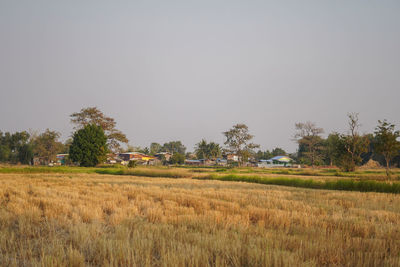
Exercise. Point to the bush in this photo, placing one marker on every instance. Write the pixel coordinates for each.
(132, 164)
(177, 158)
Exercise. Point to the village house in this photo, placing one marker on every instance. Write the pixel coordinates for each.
(278, 161)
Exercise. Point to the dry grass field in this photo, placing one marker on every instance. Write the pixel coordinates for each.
(77, 219)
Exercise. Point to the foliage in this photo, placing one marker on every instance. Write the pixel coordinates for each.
(177, 158)
(308, 136)
(206, 150)
(132, 164)
(89, 146)
(92, 115)
(340, 184)
(16, 147)
(330, 148)
(350, 147)
(174, 147)
(386, 141)
(238, 141)
(47, 146)
(155, 148)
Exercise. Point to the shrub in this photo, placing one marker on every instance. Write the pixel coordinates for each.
(132, 164)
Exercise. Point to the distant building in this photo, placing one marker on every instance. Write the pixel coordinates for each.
(128, 156)
(278, 161)
(61, 159)
(166, 155)
(232, 157)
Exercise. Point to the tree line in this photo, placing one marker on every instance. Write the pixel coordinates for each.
(96, 135)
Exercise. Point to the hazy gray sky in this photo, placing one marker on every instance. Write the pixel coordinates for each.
(186, 70)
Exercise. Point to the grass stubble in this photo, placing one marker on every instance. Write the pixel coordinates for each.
(91, 219)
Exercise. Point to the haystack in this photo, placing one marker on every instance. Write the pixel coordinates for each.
(371, 164)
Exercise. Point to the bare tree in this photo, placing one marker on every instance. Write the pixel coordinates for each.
(352, 145)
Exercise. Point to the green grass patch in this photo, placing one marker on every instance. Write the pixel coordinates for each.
(340, 184)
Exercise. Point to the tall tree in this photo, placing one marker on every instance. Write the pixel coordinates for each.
(47, 146)
(89, 146)
(206, 150)
(238, 141)
(155, 148)
(352, 145)
(308, 136)
(386, 141)
(174, 147)
(330, 148)
(92, 115)
(278, 152)
(16, 147)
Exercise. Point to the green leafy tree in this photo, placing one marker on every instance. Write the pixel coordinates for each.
(25, 154)
(238, 141)
(308, 136)
(263, 155)
(16, 147)
(174, 147)
(92, 115)
(177, 158)
(278, 152)
(206, 150)
(386, 141)
(89, 146)
(155, 148)
(47, 146)
(330, 148)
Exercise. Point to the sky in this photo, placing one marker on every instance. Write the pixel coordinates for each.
(187, 70)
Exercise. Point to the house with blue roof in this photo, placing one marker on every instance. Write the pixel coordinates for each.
(278, 161)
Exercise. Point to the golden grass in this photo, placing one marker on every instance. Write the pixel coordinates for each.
(92, 219)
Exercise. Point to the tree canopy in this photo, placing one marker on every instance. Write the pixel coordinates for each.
(206, 150)
(92, 115)
(386, 142)
(238, 141)
(308, 136)
(47, 146)
(89, 146)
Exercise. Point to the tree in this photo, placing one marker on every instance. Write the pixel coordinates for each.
(47, 146)
(92, 115)
(308, 136)
(206, 150)
(177, 158)
(386, 141)
(351, 146)
(330, 148)
(89, 146)
(155, 148)
(263, 155)
(174, 147)
(238, 141)
(16, 147)
(278, 152)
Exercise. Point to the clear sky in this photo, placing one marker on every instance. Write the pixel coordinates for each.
(187, 70)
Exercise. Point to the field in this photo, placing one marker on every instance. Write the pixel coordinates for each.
(185, 217)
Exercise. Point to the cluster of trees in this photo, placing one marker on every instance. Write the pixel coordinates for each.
(96, 134)
(270, 154)
(155, 148)
(22, 147)
(350, 149)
